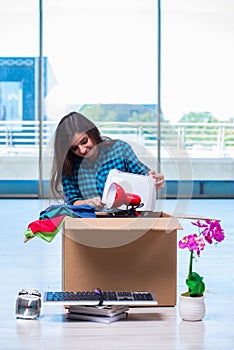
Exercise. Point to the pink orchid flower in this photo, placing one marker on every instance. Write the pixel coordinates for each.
(212, 230)
(192, 242)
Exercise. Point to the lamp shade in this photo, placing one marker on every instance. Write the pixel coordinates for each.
(116, 196)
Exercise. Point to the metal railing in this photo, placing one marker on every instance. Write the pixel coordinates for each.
(199, 139)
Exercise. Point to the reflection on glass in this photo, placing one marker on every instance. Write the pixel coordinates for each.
(11, 100)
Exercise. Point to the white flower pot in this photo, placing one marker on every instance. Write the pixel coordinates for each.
(192, 308)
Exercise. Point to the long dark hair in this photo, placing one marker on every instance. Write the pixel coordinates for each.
(64, 158)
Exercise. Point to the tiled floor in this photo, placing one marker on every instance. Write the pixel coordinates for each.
(37, 264)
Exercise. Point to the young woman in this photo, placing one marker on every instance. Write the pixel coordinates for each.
(83, 159)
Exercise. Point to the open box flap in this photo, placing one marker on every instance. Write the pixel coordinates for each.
(106, 232)
(162, 222)
(191, 217)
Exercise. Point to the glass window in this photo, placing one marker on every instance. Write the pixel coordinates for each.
(197, 78)
(103, 62)
(19, 97)
(94, 52)
(101, 58)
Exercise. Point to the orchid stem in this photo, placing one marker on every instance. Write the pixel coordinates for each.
(190, 264)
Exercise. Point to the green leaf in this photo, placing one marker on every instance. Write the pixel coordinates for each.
(195, 284)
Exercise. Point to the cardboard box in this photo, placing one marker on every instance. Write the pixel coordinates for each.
(122, 253)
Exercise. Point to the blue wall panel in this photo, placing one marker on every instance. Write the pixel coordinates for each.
(173, 188)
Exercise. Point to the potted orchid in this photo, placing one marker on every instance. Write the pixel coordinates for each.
(209, 231)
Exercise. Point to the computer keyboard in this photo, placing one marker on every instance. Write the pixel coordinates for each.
(106, 298)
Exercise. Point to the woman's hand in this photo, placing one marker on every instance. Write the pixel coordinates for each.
(94, 202)
(159, 179)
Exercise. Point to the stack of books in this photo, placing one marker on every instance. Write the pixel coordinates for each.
(103, 314)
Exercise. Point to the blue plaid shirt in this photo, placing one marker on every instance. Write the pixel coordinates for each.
(89, 178)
